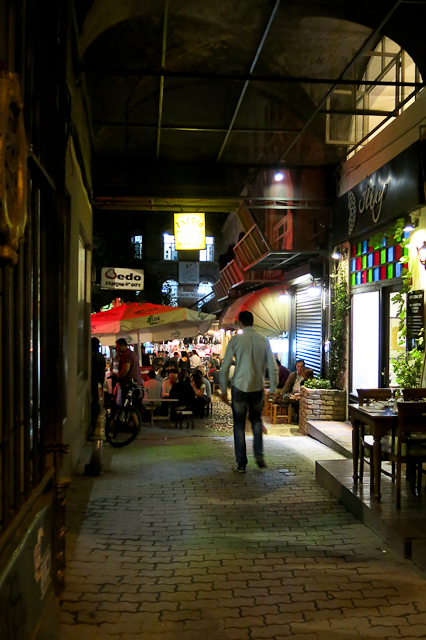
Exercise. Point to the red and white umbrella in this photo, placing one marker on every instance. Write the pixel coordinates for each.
(142, 322)
(271, 317)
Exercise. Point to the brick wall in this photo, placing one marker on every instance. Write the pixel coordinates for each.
(321, 404)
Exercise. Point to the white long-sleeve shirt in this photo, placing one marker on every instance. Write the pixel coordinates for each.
(252, 352)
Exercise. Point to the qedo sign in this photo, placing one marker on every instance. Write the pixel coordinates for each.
(390, 192)
(130, 279)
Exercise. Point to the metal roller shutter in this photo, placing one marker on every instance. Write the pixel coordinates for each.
(309, 330)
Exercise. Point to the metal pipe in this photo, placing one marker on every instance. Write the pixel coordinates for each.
(374, 33)
(150, 127)
(256, 57)
(163, 62)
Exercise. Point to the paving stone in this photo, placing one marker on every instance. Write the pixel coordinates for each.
(169, 543)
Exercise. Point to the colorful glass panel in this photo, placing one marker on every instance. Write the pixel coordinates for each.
(376, 274)
(363, 277)
(383, 256)
(364, 246)
(364, 262)
(358, 277)
(358, 264)
(370, 275)
(382, 273)
(390, 254)
(358, 249)
(390, 270)
(370, 260)
(353, 280)
(353, 265)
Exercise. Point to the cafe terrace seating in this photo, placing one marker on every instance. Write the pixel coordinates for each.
(366, 441)
(405, 448)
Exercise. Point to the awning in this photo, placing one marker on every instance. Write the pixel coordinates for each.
(271, 317)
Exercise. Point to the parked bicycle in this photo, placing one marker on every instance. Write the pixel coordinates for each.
(123, 427)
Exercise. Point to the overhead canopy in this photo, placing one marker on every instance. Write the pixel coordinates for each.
(149, 322)
(271, 317)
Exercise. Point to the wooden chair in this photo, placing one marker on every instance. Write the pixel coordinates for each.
(284, 410)
(405, 449)
(413, 394)
(365, 440)
(267, 405)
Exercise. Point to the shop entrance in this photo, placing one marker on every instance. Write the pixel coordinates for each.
(374, 338)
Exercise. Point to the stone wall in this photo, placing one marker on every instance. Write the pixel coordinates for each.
(321, 404)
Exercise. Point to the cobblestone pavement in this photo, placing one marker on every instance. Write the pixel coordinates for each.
(170, 543)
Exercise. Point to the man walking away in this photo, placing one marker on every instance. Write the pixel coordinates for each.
(252, 352)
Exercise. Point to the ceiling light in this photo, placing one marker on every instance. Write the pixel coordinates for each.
(408, 225)
(278, 176)
(336, 255)
(314, 291)
(284, 297)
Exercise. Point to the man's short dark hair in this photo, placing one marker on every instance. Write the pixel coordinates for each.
(302, 361)
(151, 374)
(121, 341)
(246, 318)
(95, 344)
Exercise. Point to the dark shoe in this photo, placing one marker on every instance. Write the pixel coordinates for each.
(240, 468)
(261, 462)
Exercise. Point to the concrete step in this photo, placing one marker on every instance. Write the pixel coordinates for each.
(335, 435)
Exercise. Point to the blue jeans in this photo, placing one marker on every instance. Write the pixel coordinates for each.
(241, 402)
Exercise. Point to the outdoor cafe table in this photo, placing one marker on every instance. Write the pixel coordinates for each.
(380, 422)
(169, 408)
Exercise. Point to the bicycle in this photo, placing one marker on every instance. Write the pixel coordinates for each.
(123, 427)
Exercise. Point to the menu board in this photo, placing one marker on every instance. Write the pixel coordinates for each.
(415, 317)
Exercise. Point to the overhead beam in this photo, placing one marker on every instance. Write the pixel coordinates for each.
(163, 64)
(246, 83)
(151, 127)
(240, 77)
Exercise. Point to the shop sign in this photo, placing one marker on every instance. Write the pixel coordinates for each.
(190, 231)
(130, 279)
(189, 272)
(189, 294)
(389, 193)
(415, 317)
(371, 200)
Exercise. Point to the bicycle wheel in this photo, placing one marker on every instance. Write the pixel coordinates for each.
(124, 428)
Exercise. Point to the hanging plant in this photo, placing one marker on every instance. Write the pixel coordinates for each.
(338, 331)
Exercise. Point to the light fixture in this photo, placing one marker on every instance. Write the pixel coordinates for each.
(284, 297)
(422, 254)
(314, 291)
(408, 224)
(336, 255)
(278, 176)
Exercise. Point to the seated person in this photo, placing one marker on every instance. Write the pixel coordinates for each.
(153, 389)
(214, 375)
(307, 374)
(283, 374)
(145, 360)
(295, 379)
(207, 384)
(200, 400)
(182, 391)
(168, 383)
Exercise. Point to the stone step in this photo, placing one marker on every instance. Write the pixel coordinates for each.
(334, 434)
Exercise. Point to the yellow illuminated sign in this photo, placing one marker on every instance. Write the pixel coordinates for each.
(190, 231)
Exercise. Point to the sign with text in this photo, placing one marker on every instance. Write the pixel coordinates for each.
(189, 272)
(415, 316)
(388, 193)
(190, 231)
(113, 278)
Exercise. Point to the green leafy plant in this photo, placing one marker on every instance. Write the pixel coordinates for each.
(317, 383)
(407, 367)
(338, 332)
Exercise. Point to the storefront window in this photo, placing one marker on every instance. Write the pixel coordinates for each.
(207, 254)
(170, 252)
(378, 263)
